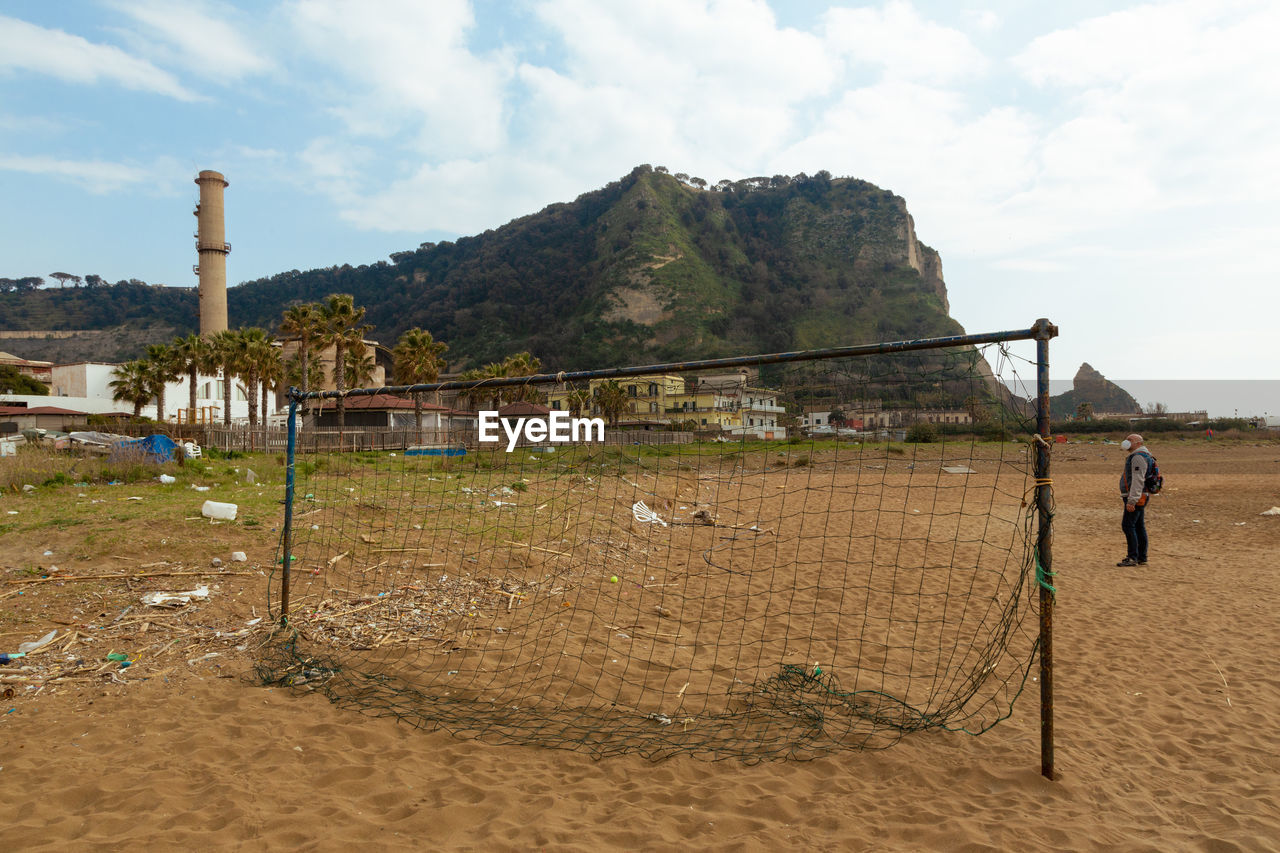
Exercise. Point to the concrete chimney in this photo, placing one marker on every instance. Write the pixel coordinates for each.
(212, 248)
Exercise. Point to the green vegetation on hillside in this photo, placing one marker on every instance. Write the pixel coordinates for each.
(100, 306)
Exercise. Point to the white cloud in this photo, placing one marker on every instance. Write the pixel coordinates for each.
(672, 48)
(1154, 41)
(708, 87)
(659, 82)
(96, 176)
(1198, 81)
(461, 196)
(983, 20)
(954, 166)
(1031, 265)
(27, 47)
(407, 70)
(197, 36)
(337, 168)
(31, 124)
(896, 39)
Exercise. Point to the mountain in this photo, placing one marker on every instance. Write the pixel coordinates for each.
(649, 268)
(1090, 386)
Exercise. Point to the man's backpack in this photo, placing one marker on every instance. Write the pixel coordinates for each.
(1155, 480)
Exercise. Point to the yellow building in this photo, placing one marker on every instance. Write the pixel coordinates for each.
(723, 402)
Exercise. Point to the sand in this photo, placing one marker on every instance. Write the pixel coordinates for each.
(1168, 705)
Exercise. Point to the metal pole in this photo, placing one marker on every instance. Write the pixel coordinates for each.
(1044, 543)
(685, 366)
(287, 550)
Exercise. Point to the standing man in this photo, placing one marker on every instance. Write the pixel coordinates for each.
(1133, 479)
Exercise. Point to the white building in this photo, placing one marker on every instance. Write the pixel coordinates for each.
(85, 386)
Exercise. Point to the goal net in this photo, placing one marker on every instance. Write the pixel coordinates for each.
(757, 561)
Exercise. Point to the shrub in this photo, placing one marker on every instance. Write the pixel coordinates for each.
(922, 432)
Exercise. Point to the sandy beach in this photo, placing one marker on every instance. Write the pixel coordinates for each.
(1167, 711)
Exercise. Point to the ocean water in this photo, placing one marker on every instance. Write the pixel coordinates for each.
(1221, 398)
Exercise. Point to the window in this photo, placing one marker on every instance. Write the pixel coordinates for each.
(631, 390)
(653, 389)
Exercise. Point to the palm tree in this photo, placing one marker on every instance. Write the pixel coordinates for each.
(252, 348)
(418, 359)
(341, 326)
(226, 355)
(578, 401)
(611, 400)
(293, 372)
(360, 366)
(132, 384)
(194, 358)
(521, 364)
(477, 392)
(496, 370)
(302, 323)
(163, 366)
(271, 374)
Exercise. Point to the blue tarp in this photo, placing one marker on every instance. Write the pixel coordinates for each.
(436, 451)
(156, 448)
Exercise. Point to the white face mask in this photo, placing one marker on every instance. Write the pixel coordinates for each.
(1125, 445)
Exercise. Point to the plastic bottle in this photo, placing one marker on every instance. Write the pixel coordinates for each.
(219, 510)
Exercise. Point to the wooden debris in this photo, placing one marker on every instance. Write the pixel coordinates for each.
(537, 548)
(210, 573)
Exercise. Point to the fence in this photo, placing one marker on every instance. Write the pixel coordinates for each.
(332, 439)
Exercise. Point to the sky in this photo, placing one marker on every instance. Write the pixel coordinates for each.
(1112, 166)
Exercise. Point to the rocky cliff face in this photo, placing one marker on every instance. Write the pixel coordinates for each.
(1090, 386)
(1105, 395)
(925, 261)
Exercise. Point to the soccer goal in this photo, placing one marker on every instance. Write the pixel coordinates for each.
(759, 557)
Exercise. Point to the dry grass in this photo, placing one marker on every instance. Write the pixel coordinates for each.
(89, 538)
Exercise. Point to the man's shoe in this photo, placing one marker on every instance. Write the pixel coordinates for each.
(1142, 562)
(1128, 561)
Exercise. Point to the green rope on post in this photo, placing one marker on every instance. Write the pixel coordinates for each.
(1042, 576)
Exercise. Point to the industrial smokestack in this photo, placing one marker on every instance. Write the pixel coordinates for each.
(212, 248)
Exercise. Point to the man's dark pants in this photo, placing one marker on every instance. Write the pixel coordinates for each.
(1134, 526)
